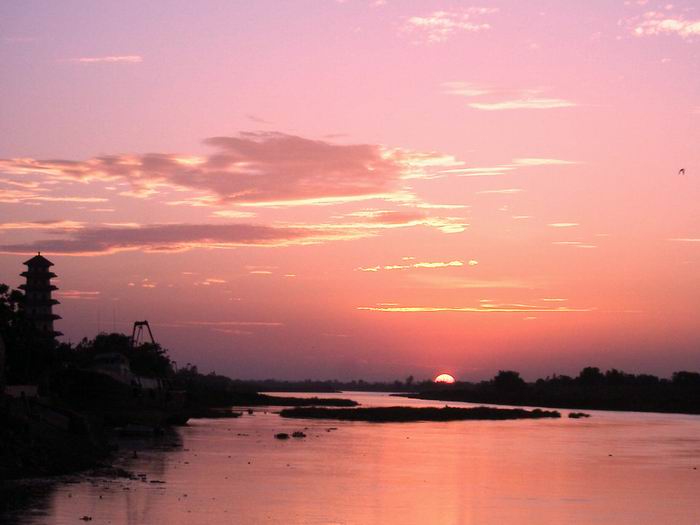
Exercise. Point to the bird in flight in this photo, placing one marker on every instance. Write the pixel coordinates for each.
(681, 171)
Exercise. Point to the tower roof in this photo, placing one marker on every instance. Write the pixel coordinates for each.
(38, 260)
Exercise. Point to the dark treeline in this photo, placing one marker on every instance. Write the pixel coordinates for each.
(334, 385)
(592, 389)
(214, 390)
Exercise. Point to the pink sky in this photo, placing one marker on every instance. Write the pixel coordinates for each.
(360, 188)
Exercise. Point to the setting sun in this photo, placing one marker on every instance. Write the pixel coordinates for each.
(444, 378)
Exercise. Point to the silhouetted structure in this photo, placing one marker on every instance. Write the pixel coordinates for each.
(37, 290)
(137, 335)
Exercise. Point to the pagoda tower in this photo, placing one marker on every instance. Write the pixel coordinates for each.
(38, 304)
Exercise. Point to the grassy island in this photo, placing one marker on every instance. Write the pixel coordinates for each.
(411, 414)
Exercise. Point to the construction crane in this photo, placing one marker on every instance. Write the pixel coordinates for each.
(137, 334)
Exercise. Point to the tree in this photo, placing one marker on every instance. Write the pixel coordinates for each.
(686, 379)
(508, 380)
(29, 352)
(591, 375)
(147, 359)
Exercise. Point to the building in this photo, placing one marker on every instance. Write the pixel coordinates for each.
(113, 364)
(117, 366)
(39, 304)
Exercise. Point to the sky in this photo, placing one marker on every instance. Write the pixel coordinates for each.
(361, 188)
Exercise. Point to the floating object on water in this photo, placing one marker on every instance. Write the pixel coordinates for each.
(298, 434)
(282, 435)
(577, 415)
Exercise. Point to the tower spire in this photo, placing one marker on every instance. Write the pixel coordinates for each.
(37, 292)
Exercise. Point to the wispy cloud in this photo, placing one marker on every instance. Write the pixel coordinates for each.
(384, 219)
(213, 280)
(257, 119)
(563, 224)
(452, 282)
(505, 191)
(464, 89)
(19, 39)
(489, 171)
(539, 161)
(439, 26)
(416, 265)
(499, 99)
(36, 196)
(504, 169)
(234, 214)
(523, 103)
(77, 294)
(432, 206)
(68, 199)
(231, 327)
(575, 244)
(77, 239)
(654, 23)
(174, 237)
(116, 59)
(42, 225)
(500, 308)
(685, 239)
(234, 323)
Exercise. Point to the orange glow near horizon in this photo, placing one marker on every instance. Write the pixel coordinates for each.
(444, 378)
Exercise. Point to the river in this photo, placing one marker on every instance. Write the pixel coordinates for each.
(615, 467)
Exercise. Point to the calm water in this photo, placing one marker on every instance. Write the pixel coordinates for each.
(612, 468)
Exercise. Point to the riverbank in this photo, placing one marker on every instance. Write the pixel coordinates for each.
(616, 403)
(37, 439)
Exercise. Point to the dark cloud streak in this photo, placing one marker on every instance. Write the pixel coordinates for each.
(171, 237)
